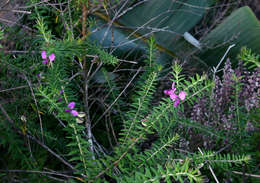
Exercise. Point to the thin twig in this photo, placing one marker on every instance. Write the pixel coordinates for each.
(15, 88)
(215, 69)
(118, 97)
(246, 174)
(5, 4)
(114, 18)
(51, 151)
(120, 60)
(6, 115)
(211, 170)
(39, 172)
(115, 163)
(16, 11)
(36, 104)
(132, 7)
(84, 21)
(10, 22)
(36, 140)
(112, 129)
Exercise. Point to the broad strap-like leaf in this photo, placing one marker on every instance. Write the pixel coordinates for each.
(241, 28)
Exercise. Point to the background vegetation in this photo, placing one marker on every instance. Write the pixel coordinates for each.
(129, 91)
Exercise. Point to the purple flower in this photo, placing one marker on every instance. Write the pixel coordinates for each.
(71, 106)
(74, 113)
(174, 97)
(44, 55)
(52, 57)
(61, 91)
(39, 75)
(182, 95)
(46, 60)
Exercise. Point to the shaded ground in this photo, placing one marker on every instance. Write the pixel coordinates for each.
(8, 14)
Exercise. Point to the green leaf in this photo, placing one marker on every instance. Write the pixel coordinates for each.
(241, 28)
(100, 77)
(166, 20)
(117, 40)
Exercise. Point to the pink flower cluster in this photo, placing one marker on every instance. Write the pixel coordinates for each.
(48, 59)
(71, 106)
(175, 98)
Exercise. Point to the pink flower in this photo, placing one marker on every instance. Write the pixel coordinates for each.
(46, 60)
(182, 95)
(71, 106)
(61, 91)
(39, 75)
(174, 97)
(74, 113)
(44, 55)
(52, 57)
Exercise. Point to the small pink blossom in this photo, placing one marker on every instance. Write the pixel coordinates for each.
(71, 106)
(46, 60)
(39, 75)
(176, 103)
(52, 57)
(182, 95)
(74, 112)
(44, 55)
(174, 97)
(61, 91)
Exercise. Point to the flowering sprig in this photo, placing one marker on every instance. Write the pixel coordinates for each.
(46, 59)
(71, 106)
(176, 98)
(79, 115)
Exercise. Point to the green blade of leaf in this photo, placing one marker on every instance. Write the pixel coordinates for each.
(241, 28)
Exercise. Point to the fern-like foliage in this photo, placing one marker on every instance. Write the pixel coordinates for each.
(148, 141)
(249, 58)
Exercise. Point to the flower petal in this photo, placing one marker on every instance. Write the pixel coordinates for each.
(74, 113)
(169, 92)
(44, 56)
(67, 110)
(182, 95)
(61, 91)
(45, 61)
(52, 57)
(59, 100)
(71, 105)
(173, 96)
(166, 92)
(176, 103)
